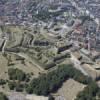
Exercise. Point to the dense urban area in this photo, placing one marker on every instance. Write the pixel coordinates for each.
(49, 49)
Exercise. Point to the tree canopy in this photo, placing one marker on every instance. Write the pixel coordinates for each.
(46, 84)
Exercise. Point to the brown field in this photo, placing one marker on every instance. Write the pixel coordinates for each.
(69, 90)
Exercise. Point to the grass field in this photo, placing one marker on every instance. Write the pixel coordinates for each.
(3, 67)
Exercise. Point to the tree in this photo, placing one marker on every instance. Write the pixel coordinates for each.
(2, 82)
(19, 87)
(11, 85)
(16, 74)
(3, 96)
(51, 97)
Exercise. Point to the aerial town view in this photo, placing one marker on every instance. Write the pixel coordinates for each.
(49, 49)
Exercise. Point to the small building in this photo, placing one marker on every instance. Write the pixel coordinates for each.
(64, 47)
(61, 57)
(50, 65)
(41, 43)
